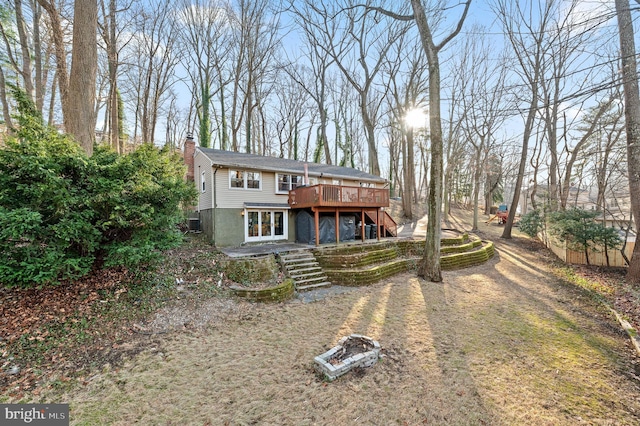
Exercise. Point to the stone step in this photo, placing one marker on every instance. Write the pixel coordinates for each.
(291, 266)
(302, 271)
(309, 280)
(296, 255)
(305, 271)
(313, 286)
(306, 279)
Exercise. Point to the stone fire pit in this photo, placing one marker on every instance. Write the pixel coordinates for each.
(351, 351)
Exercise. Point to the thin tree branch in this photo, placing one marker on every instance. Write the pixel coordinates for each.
(458, 27)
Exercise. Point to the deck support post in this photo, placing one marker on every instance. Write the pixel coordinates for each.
(316, 217)
(337, 226)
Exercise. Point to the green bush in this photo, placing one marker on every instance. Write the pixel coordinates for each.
(578, 228)
(137, 199)
(60, 211)
(532, 223)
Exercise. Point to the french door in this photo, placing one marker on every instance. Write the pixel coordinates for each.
(265, 225)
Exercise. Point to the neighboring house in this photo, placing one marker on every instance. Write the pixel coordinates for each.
(617, 203)
(245, 198)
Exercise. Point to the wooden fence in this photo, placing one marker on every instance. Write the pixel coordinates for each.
(597, 258)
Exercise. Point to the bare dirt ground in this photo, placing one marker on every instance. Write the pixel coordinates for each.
(502, 343)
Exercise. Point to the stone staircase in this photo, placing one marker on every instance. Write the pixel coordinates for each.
(303, 268)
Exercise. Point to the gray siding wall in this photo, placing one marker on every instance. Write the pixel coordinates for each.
(229, 226)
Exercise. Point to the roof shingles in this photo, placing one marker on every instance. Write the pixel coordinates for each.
(259, 162)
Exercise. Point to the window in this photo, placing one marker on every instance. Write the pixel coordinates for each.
(288, 182)
(244, 180)
(203, 182)
(253, 180)
(236, 179)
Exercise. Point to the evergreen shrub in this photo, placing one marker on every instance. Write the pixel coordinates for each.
(61, 211)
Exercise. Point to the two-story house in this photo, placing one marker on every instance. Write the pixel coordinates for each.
(247, 198)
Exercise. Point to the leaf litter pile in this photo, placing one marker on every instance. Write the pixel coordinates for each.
(65, 329)
(59, 334)
(352, 346)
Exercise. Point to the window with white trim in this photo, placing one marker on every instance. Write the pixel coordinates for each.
(241, 179)
(286, 183)
(265, 225)
(203, 181)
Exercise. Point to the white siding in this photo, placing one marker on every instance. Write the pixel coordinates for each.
(234, 198)
(202, 164)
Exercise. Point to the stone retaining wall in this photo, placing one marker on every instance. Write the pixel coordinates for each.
(277, 293)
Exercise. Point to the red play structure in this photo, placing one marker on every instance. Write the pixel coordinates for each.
(502, 214)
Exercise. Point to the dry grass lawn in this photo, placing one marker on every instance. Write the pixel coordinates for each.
(500, 344)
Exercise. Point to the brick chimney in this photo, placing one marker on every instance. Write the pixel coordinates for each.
(189, 150)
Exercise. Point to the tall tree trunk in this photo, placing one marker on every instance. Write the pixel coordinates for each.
(26, 71)
(632, 119)
(407, 199)
(61, 56)
(80, 117)
(78, 88)
(37, 56)
(52, 99)
(477, 174)
(374, 164)
(430, 266)
(114, 111)
(6, 114)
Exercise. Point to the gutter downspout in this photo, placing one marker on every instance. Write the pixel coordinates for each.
(215, 205)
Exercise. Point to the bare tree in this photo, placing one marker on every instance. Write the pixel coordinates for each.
(255, 42)
(407, 91)
(316, 33)
(150, 73)
(598, 113)
(483, 104)
(453, 138)
(632, 119)
(348, 123)
(526, 38)
(293, 101)
(113, 44)
(430, 266)
(205, 41)
(23, 48)
(77, 87)
(359, 48)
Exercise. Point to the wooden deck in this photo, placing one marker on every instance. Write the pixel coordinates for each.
(338, 196)
(369, 203)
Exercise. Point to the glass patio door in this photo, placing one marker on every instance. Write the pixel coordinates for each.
(265, 225)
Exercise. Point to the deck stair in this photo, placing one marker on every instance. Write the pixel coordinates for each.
(388, 226)
(304, 269)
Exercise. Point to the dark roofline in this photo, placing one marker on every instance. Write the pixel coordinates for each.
(274, 164)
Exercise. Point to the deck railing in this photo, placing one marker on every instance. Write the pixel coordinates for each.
(338, 196)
